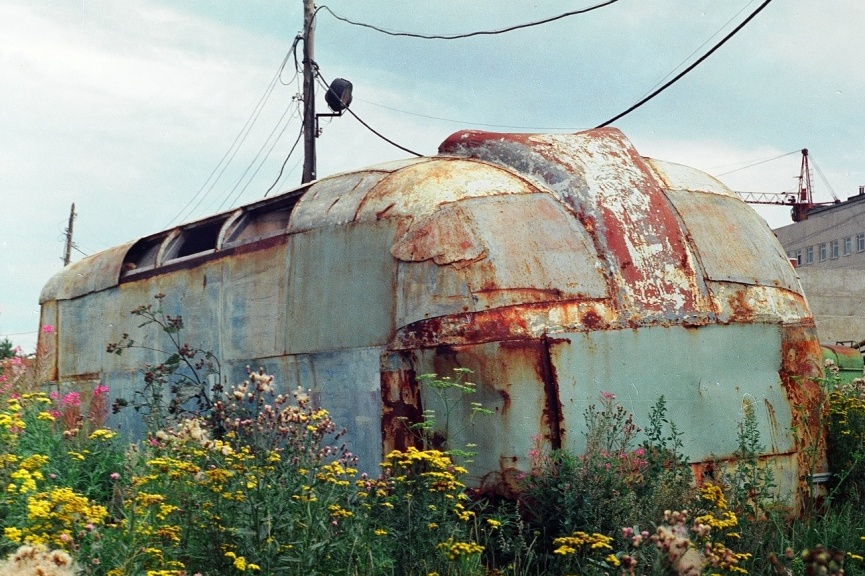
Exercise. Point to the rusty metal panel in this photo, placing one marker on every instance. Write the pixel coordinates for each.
(734, 243)
(492, 255)
(341, 290)
(618, 199)
(745, 303)
(196, 294)
(400, 402)
(510, 378)
(705, 374)
(346, 383)
(333, 200)
(679, 177)
(419, 190)
(90, 274)
(85, 325)
(254, 299)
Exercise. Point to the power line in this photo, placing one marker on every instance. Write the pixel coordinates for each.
(232, 150)
(284, 162)
(468, 34)
(757, 163)
(698, 48)
(326, 86)
(465, 122)
(689, 68)
(380, 135)
(256, 157)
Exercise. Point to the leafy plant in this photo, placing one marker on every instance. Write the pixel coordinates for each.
(180, 386)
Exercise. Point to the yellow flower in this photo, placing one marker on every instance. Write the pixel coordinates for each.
(102, 434)
(240, 563)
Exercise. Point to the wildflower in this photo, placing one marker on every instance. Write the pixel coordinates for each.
(71, 399)
(14, 534)
(48, 328)
(102, 434)
(454, 549)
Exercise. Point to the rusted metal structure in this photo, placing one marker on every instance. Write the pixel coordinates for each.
(556, 267)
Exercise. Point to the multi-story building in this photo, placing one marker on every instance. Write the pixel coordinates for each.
(830, 237)
(828, 249)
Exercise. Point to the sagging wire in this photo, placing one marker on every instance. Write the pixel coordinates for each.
(681, 74)
(232, 150)
(468, 34)
(325, 85)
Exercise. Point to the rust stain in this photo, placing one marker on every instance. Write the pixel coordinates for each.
(553, 415)
(800, 372)
(741, 309)
(591, 320)
(773, 424)
(635, 218)
(400, 408)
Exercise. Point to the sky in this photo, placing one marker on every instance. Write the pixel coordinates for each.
(134, 110)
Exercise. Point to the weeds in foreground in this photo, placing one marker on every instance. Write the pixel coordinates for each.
(260, 482)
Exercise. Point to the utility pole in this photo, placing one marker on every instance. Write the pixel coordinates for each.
(68, 234)
(309, 135)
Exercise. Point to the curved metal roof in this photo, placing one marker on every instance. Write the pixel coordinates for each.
(654, 229)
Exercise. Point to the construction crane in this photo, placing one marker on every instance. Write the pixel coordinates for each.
(801, 201)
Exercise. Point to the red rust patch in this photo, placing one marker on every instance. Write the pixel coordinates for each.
(591, 320)
(400, 408)
(800, 372)
(741, 310)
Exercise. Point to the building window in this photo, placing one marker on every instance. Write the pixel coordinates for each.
(822, 252)
(848, 245)
(809, 255)
(860, 242)
(797, 255)
(833, 249)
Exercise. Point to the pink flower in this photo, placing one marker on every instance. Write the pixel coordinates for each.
(100, 390)
(71, 399)
(608, 396)
(48, 328)
(54, 395)
(114, 476)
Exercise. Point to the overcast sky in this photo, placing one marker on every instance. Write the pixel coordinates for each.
(127, 108)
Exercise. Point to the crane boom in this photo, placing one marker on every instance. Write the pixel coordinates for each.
(801, 201)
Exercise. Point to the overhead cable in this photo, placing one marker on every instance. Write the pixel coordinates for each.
(326, 86)
(689, 68)
(700, 47)
(284, 162)
(232, 150)
(757, 163)
(468, 34)
(466, 122)
(258, 155)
